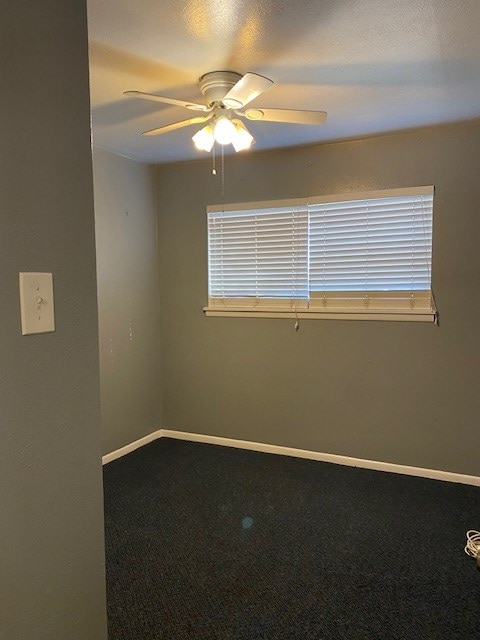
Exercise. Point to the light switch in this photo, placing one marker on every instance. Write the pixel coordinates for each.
(36, 303)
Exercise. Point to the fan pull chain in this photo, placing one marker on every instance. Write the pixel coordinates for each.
(223, 177)
(214, 169)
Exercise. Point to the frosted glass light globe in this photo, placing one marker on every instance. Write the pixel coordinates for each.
(224, 131)
(242, 138)
(203, 139)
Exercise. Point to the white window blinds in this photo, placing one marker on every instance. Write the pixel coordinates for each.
(258, 253)
(357, 253)
(373, 244)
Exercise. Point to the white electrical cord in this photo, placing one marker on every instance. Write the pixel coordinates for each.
(472, 548)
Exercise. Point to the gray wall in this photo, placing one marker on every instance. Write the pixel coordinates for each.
(125, 222)
(406, 393)
(51, 521)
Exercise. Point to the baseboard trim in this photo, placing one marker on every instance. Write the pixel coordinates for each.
(376, 465)
(119, 453)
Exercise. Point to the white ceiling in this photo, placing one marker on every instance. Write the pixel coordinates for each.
(374, 65)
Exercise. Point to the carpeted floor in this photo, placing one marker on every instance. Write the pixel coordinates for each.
(211, 543)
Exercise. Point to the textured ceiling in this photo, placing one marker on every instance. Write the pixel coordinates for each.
(374, 65)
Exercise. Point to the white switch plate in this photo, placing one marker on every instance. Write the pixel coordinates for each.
(36, 303)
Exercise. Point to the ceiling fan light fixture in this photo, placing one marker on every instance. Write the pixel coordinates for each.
(243, 138)
(224, 131)
(204, 139)
(225, 92)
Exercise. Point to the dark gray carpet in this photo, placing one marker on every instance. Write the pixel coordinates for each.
(206, 542)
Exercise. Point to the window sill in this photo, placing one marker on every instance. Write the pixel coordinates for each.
(397, 316)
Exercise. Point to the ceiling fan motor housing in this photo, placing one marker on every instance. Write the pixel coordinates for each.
(216, 84)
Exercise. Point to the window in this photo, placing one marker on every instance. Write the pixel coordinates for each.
(360, 256)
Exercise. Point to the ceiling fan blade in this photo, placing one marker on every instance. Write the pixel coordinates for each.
(246, 89)
(292, 116)
(179, 103)
(177, 125)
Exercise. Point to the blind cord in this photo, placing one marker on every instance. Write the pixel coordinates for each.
(472, 548)
(434, 304)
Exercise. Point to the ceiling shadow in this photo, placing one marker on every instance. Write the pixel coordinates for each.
(391, 73)
(128, 109)
(113, 59)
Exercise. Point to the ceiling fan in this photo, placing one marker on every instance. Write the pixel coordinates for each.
(227, 93)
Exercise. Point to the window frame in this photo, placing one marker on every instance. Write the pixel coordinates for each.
(409, 305)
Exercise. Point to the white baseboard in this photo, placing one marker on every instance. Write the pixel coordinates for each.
(118, 453)
(434, 474)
